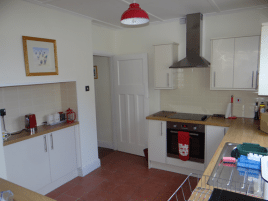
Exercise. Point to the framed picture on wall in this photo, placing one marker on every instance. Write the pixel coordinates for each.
(40, 56)
(95, 71)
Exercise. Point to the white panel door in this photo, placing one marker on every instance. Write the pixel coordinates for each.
(246, 62)
(222, 63)
(130, 99)
(27, 163)
(62, 152)
(157, 148)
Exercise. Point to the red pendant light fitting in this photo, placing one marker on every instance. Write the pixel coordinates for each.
(134, 15)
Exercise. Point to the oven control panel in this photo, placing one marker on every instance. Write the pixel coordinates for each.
(186, 126)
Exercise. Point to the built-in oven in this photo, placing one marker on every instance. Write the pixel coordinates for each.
(197, 140)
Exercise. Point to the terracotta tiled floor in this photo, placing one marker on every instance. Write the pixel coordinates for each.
(121, 177)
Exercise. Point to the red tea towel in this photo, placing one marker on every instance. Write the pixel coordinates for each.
(183, 142)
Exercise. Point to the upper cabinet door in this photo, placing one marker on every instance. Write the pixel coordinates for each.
(222, 63)
(263, 71)
(164, 57)
(246, 62)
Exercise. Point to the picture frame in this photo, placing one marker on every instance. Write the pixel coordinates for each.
(40, 56)
(95, 72)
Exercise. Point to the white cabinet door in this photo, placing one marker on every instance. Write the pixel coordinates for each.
(27, 163)
(246, 62)
(222, 63)
(62, 152)
(164, 57)
(214, 136)
(234, 63)
(263, 71)
(157, 145)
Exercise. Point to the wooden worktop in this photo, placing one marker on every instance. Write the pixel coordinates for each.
(41, 130)
(241, 130)
(214, 121)
(22, 194)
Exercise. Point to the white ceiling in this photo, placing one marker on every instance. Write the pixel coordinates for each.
(108, 12)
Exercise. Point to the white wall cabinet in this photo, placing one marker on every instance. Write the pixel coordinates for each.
(157, 145)
(164, 56)
(234, 63)
(38, 161)
(263, 70)
(213, 138)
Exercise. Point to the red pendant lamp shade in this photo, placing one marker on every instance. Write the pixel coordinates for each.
(134, 15)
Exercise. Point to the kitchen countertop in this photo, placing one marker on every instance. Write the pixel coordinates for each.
(22, 194)
(41, 130)
(214, 121)
(240, 130)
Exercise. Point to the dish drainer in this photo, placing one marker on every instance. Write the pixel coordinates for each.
(195, 187)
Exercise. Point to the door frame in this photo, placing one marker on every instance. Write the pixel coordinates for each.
(110, 56)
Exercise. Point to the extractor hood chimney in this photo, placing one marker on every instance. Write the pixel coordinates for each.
(193, 44)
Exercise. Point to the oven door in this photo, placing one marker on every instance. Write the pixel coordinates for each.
(196, 147)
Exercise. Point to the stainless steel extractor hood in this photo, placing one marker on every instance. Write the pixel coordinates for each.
(193, 44)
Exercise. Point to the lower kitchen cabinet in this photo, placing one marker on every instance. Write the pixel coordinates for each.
(39, 161)
(27, 163)
(213, 138)
(62, 152)
(157, 145)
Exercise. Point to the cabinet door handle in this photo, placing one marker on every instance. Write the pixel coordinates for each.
(256, 86)
(214, 79)
(161, 128)
(45, 143)
(252, 78)
(168, 79)
(224, 131)
(51, 139)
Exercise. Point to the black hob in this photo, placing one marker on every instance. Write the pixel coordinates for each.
(189, 116)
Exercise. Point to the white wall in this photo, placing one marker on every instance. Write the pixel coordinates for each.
(141, 40)
(74, 47)
(103, 40)
(103, 102)
(196, 81)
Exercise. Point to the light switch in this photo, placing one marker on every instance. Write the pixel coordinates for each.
(87, 88)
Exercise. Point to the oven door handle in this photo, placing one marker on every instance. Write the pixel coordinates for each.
(195, 134)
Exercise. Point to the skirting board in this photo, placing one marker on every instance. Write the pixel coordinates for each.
(52, 186)
(173, 168)
(83, 171)
(105, 144)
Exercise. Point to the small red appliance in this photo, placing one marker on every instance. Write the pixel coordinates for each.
(70, 116)
(30, 121)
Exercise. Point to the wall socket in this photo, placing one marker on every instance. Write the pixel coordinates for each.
(238, 100)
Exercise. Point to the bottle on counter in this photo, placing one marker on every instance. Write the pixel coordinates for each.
(256, 110)
(262, 109)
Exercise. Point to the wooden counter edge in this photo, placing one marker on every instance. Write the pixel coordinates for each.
(49, 130)
(21, 193)
(210, 121)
